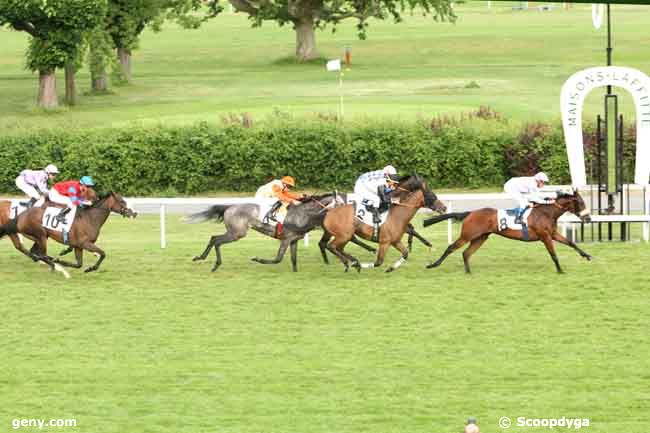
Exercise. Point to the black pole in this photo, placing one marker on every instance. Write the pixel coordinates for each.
(609, 45)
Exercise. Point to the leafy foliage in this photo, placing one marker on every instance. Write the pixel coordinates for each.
(57, 27)
(320, 154)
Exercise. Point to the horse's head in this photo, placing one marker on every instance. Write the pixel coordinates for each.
(575, 204)
(115, 203)
(410, 184)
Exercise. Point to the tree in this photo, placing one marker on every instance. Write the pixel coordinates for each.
(56, 29)
(126, 20)
(308, 15)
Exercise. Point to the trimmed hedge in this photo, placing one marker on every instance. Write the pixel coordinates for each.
(320, 154)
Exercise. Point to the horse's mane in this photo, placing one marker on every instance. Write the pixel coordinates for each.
(319, 197)
(101, 198)
(562, 194)
(414, 181)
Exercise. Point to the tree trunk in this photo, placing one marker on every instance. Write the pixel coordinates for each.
(305, 39)
(124, 56)
(47, 90)
(99, 82)
(70, 89)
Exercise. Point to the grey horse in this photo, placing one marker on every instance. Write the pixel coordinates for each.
(239, 218)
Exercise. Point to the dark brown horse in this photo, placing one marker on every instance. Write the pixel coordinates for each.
(542, 226)
(5, 216)
(342, 224)
(82, 236)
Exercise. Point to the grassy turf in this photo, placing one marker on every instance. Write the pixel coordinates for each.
(417, 68)
(156, 343)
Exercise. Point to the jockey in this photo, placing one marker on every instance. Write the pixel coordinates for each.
(279, 189)
(71, 193)
(525, 190)
(373, 189)
(34, 183)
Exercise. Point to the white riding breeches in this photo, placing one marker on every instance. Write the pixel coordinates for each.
(59, 198)
(28, 189)
(365, 196)
(521, 199)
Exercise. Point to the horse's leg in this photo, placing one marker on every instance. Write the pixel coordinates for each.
(284, 244)
(205, 253)
(548, 243)
(322, 244)
(561, 239)
(89, 246)
(221, 240)
(381, 252)
(414, 234)
(66, 251)
(450, 249)
(405, 255)
(19, 245)
(336, 248)
(78, 253)
(294, 255)
(473, 246)
(355, 240)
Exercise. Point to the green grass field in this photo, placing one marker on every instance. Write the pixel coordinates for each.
(156, 343)
(415, 69)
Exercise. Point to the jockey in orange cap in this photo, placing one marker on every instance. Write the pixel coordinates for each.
(280, 190)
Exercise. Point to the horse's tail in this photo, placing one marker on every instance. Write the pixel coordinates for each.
(212, 213)
(10, 228)
(436, 219)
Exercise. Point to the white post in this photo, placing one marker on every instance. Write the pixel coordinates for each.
(450, 209)
(306, 240)
(163, 239)
(489, 4)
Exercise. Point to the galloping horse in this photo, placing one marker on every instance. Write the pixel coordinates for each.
(341, 223)
(83, 233)
(239, 218)
(542, 226)
(5, 216)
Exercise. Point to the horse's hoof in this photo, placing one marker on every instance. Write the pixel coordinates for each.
(197, 258)
(390, 270)
(90, 269)
(215, 268)
(431, 265)
(588, 257)
(255, 259)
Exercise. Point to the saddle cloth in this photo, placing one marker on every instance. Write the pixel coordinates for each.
(365, 216)
(16, 208)
(49, 221)
(506, 219)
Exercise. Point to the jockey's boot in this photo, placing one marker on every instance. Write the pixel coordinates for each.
(61, 216)
(270, 215)
(375, 214)
(29, 203)
(520, 215)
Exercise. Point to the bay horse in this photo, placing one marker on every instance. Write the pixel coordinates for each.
(342, 224)
(478, 225)
(410, 231)
(83, 233)
(5, 216)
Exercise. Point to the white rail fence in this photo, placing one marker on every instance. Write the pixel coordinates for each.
(451, 200)
(162, 205)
